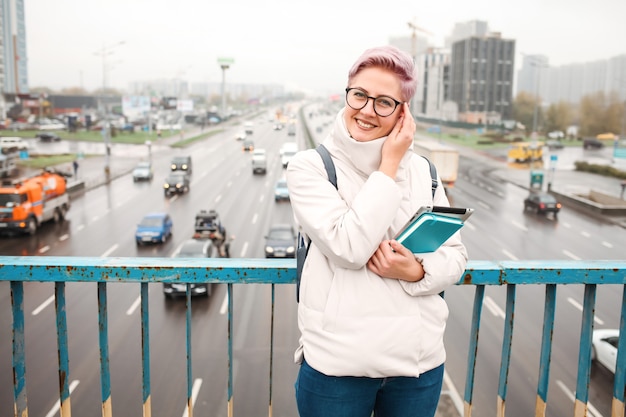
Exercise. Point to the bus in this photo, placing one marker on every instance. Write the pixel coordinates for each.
(526, 151)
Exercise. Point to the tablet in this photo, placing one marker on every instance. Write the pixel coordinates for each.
(461, 213)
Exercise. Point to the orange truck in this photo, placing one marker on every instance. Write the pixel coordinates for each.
(25, 204)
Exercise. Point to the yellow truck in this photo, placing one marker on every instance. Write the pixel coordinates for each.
(526, 151)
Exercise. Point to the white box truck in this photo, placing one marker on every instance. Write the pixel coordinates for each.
(444, 157)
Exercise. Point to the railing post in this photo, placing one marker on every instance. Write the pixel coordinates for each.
(479, 297)
(546, 351)
(20, 404)
(145, 351)
(584, 355)
(507, 341)
(64, 362)
(103, 329)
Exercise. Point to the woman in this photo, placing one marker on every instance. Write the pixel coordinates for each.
(370, 315)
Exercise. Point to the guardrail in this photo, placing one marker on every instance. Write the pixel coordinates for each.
(144, 271)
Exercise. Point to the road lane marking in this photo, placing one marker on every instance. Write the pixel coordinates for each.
(261, 198)
(453, 393)
(133, 306)
(244, 250)
(580, 308)
(254, 218)
(510, 255)
(571, 255)
(218, 198)
(43, 305)
(520, 226)
(585, 234)
(64, 237)
(44, 249)
(485, 205)
(493, 307)
(80, 227)
(197, 383)
(108, 252)
(57, 405)
(470, 226)
(607, 244)
(571, 396)
(224, 306)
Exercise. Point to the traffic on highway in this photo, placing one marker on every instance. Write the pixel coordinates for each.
(102, 222)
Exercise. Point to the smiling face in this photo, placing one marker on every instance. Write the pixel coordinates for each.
(365, 125)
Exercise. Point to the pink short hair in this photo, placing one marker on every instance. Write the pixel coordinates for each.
(392, 59)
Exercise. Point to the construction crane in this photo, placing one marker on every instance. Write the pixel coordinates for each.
(414, 28)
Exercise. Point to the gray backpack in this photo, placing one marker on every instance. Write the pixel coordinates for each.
(303, 247)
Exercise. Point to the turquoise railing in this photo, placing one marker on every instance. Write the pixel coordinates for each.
(108, 271)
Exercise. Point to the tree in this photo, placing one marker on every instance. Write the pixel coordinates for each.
(600, 114)
(524, 110)
(559, 116)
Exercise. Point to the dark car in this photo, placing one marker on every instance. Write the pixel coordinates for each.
(554, 144)
(181, 163)
(280, 242)
(48, 137)
(176, 183)
(191, 248)
(248, 145)
(592, 143)
(154, 228)
(542, 203)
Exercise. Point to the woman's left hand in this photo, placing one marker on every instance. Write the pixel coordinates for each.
(392, 260)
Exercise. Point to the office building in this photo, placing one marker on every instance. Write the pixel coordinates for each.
(433, 69)
(481, 78)
(14, 64)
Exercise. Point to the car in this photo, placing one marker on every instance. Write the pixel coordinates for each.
(259, 161)
(191, 248)
(278, 126)
(604, 347)
(143, 172)
(592, 143)
(542, 203)
(248, 145)
(281, 192)
(556, 134)
(249, 128)
(554, 144)
(48, 137)
(280, 241)
(12, 144)
(154, 227)
(176, 183)
(241, 135)
(181, 163)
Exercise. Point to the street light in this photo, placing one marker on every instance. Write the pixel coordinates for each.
(106, 50)
(224, 63)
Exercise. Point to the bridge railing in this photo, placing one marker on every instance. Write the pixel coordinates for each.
(144, 271)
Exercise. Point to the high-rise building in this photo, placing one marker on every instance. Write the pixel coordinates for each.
(464, 30)
(14, 60)
(433, 69)
(481, 79)
(572, 82)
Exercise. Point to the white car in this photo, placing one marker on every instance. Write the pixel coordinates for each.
(604, 347)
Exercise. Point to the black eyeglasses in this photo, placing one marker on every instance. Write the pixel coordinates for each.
(383, 105)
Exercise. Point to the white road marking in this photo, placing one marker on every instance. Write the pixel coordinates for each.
(44, 249)
(53, 411)
(224, 306)
(109, 251)
(43, 305)
(607, 244)
(493, 307)
(585, 234)
(571, 255)
(244, 250)
(133, 306)
(580, 308)
(520, 226)
(570, 394)
(254, 218)
(195, 389)
(509, 255)
(64, 237)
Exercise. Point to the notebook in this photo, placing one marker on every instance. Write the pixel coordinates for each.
(431, 226)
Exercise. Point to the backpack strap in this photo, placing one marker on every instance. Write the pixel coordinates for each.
(328, 164)
(433, 175)
(303, 246)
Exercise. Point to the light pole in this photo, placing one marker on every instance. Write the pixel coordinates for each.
(224, 63)
(106, 135)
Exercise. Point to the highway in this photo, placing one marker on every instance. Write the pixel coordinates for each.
(102, 221)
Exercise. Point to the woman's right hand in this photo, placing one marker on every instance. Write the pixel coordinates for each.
(398, 142)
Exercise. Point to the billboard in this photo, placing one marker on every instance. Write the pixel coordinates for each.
(132, 105)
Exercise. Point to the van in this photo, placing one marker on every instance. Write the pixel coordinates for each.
(12, 144)
(181, 163)
(259, 161)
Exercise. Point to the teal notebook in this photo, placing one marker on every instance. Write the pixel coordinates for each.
(428, 231)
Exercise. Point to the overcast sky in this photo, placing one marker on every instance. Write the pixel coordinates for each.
(307, 45)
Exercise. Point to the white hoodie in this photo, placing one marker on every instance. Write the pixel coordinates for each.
(352, 321)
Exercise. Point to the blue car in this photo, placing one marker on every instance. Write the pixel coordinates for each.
(154, 228)
(281, 192)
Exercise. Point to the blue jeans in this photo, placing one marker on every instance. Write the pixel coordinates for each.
(319, 395)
